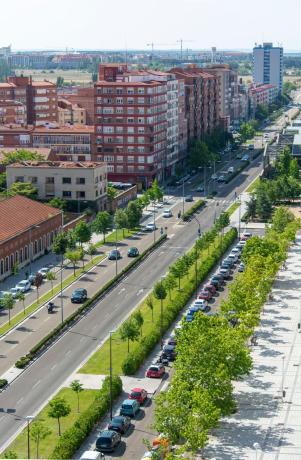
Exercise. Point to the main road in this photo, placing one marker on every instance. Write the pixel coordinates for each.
(40, 381)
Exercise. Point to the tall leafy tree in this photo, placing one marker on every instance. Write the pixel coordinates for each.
(77, 387)
(8, 302)
(102, 223)
(58, 409)
(121, 219)
(129, 331)
(82, 232)
(134, 214)
(74, 257)
(23, 188)
(38, 432)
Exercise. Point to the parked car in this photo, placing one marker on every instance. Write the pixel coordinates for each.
(233, 257)
(236, 251)
(129, 407)
(107, 441)
(205, 294)
(150, 227)
(79, 295)
(133, 252)
(200, 188)
(44, 271)
(242, 243)
(170, 352)
(231, 169)
(245, 158)
(14, 292)
(241, 267)
(238, 156)
(214, 177)
(190, 316)
(221, 178)
(231, 262)
(167, 213)
(245, 236)
(200, 303)
(227, 264)
(156, 371)
(219, 276)
(251, 147)
(24, 285)
(139, 394)
(225, 272)
(114, 254)
(210, 287)
(92, 455)
(217, 283)
(32, 278)
(120, 423)
(189, 198)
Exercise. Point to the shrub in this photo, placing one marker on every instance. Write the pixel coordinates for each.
(199, 204)
(3, 383)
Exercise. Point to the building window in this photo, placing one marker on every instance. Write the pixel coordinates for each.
(33, 180)
(19, 178)
(80, 180)
(26, 252)
(141, 159)
(67, 194)
(1, 267)
(49, 180)
(66, 180)
(80, 194)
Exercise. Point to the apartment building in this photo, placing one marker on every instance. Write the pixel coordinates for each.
(69, 113)
(12, 112)
(82, 97)
(201, 100)
(27, 230)
(268, 65)
(15, 136)
(39, 98)
(69, 143)
(262, 94)
(73, 181)
(131, 124)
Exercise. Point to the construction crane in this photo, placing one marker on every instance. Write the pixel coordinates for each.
(183, 41)
(158, 44)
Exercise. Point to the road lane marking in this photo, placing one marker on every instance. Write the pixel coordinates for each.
(68, 352)
(140, 292)
(19, 400)
(36, 384)
(121, 291)
(172, 235)
(53, 367)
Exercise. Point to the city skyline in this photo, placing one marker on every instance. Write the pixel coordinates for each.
(70, 26)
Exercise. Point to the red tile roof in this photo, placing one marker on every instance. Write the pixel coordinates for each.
(19, 213)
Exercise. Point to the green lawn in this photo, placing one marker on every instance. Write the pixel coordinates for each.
(19, 445)
(253, 185)
(99, 361)
(45, 297)
(121, 235)
(233, 208)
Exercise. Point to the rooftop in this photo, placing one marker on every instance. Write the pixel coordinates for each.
(19, 214)
(58, 164)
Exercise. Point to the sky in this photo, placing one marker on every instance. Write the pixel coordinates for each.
(131, 24)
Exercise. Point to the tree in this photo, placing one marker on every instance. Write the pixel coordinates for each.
(23, 188)
(170, 283)
(121, 220)
(59, 203)
(178, 269)
(150, 304)
(261, 112)
(2, 182)
(92, 249)
(59, 408)
(160, 293)
(51, 277)
(37, 283)
(263, 204)
(294, 169)
(157, 191)
(60, 81)
(74, 257)
(129, 331)
(38, 432)
(199, 154)
(21, 155)
(8, 302)
(134, 214)
(251, 207)
(138, 317)
(283, 164)
(247, 131)
(223, 221)
(102, 223)
(281, 218)
(10, 454)
(21, 297)
(82, 232)
(77, 387)
(60, 243)
(111, 194)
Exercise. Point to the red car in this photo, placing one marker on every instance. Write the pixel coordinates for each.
(211, 288)
(156, 371)
(139, 394)
(205, 294)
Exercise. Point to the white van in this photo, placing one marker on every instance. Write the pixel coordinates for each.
(92, 455)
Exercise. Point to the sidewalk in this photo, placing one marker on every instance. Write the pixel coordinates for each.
(267, 426)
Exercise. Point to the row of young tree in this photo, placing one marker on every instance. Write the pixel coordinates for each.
(203, 152)
(282, 186)
(211, 353)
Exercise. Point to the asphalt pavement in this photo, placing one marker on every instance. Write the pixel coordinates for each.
(40, 381)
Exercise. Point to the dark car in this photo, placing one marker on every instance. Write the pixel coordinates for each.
(230, 262)
(107, 441)
(189, 198)
(114, 254)
(120, 424)
(133, 252)
(170, 352)
(79, 295)
(216, 282)
(32, 278)
(220, 277)
(227, 264)
(210, 287)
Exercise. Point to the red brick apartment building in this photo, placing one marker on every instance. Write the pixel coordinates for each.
(39, 98)
(12, 112)
(27, 229)
(83, 97)
(201, 100)
(130, 124)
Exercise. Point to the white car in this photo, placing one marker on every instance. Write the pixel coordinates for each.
(44, 271)
(200, 303)
(214, 177)
(150, 227)
(15, 292)
(167, 213)
(24, 286)
(233, 257)
(231, 169)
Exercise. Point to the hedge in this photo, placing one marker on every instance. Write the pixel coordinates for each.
(42, 344)
(72, 439)
(136, 357)
(3, 383)
(199, 204)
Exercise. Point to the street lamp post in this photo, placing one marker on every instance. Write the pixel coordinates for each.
(111, 376)
(28, 419)
(183, 197)
(61, 275)
(256, 447)
(299, 324)
(116, 258)
(239, 215)
(154, 211)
